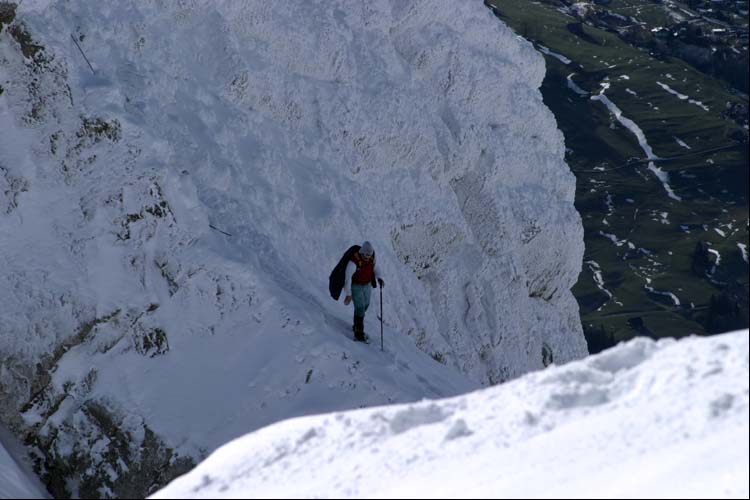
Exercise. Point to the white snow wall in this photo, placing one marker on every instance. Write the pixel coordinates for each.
(299, 127)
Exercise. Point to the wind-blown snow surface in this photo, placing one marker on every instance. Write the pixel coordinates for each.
(13, 483)
(133, 329)
(16, 480)
(645, 419)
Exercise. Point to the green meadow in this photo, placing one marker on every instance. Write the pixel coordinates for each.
(641, 274)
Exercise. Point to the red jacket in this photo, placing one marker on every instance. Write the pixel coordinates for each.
(365, 270)
(360, 272)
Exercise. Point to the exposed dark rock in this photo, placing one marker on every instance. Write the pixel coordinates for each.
(23, 38)
(7, 14)
(127, 467)
(701, 262)
(547, 355)
(728, 310)
(598, 338)
(637, 324)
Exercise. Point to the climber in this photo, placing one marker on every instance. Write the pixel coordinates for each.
(359, 275)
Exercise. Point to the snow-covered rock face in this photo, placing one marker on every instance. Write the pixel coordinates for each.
(297, 128)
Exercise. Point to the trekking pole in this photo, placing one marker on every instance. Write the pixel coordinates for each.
(217, 229)
(81, 51)
(381, 316)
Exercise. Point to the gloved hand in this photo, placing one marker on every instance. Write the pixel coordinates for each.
(382, 283)
(347, 300)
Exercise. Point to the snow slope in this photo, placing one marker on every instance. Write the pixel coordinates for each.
(16, 480)
(13, 483)
(137, 337)
(645, 419)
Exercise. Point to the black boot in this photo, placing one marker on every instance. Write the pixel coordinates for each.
(359, 328)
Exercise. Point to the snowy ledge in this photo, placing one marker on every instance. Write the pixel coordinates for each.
(673, 414)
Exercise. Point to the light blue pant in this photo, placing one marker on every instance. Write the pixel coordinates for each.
(361, 299)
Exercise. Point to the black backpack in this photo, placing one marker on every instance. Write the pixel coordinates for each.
(338, 275)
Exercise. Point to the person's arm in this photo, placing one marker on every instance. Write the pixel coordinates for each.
(378, 276)
(351, 268)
